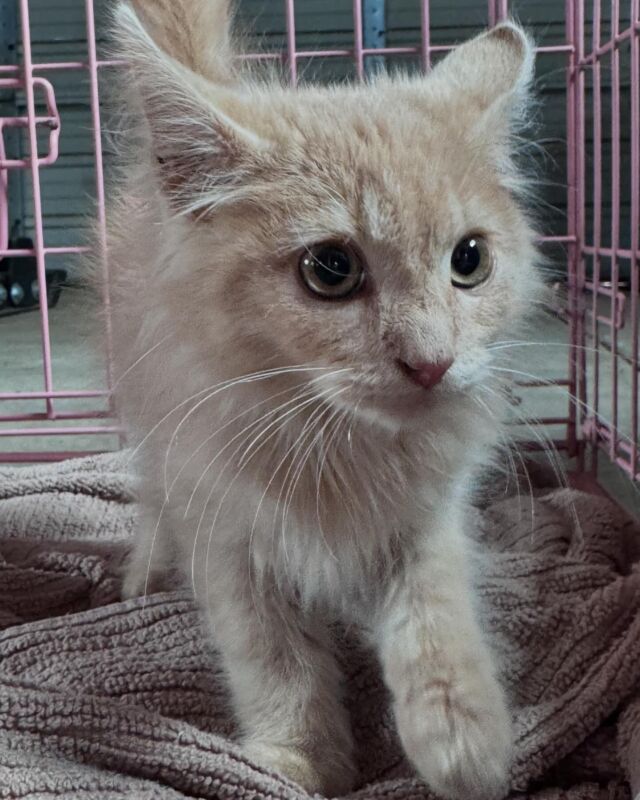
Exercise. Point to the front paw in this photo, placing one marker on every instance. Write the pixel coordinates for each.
(458, 735)
(330, 775)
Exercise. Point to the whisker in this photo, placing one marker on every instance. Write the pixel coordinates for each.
(246, 429)
(246, 432)
(250, 378)
(297, 446)
(553, 457)
(219, 430)
(353, 419)
(139, 360)
(231, 421)
(154, 537)
(167, 496)
(546, 443)
(571, 398)
(273, 477)
(282, 420)
(300, 469)
(335, 393)
(511, 345)
(525, 472)
(214, 389)
(510, 459)
(324, 451)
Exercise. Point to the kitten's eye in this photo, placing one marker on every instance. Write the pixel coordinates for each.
(332, 271)
(471, 262)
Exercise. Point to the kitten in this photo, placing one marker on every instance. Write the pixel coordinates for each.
(308, 283)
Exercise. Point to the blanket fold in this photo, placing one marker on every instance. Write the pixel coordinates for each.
(104, 698)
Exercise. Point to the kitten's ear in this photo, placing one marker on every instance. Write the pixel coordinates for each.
(493, 69)
(196, 33)
(203, 132)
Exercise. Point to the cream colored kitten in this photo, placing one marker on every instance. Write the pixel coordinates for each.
(308, 282)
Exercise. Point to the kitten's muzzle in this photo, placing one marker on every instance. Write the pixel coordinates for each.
(426, 373)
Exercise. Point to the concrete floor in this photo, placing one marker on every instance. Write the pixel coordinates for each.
(78, 363)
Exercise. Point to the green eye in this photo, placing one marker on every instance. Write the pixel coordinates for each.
(471, 262)
(331, 271)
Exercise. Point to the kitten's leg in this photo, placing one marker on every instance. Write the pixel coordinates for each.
(450, 710)
(285, 682)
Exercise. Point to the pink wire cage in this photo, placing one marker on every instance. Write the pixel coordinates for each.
(600, 49)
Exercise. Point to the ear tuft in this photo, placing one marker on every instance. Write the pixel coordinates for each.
(512, 37)
(196, 33)
(514, 55)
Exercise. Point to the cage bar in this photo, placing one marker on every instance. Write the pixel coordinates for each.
(573, 262)
(615, 219)
(291, 56)
(358, 43)
(37, 201)
(634, 135)
(92, 67)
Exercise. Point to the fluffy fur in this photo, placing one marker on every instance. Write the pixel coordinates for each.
(287, 463)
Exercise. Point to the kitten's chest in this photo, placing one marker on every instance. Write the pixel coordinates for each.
(338, 542)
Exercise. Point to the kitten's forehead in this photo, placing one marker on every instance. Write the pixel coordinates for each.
(387, 171)
(421, 211)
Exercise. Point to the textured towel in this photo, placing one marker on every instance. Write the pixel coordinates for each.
(107, 699)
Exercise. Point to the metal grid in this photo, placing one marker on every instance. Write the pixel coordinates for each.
(604, 269)
(28, 76)
(593, 328)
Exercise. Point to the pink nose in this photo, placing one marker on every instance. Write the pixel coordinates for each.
(426, 373)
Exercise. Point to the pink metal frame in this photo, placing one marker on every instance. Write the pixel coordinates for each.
(598, 313)
(586, 432)
(25, 76)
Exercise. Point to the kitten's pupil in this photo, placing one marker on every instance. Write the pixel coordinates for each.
(332, 265)
(466, 257)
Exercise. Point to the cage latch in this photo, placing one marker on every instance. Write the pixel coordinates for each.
(51, 120)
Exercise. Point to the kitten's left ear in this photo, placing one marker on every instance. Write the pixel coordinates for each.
(494, 70)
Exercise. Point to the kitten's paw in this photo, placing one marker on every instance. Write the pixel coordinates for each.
(459, 740)
(330, 776)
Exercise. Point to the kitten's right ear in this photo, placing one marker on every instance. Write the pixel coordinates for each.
(203, 132)
(196, 33)
(492, 69)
